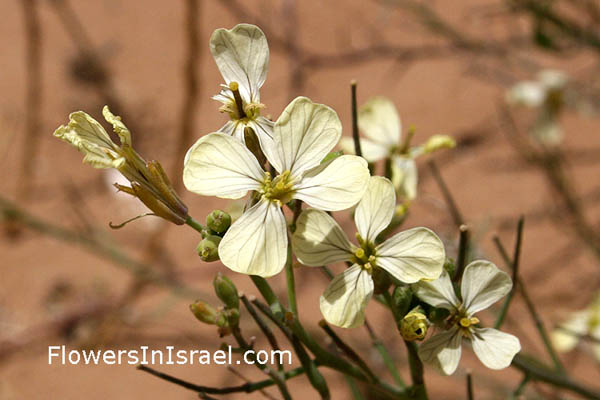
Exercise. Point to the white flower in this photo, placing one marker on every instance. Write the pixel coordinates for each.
(482, 285)
(582, 323)
(378, 119)
(408, 256)
(242, 56)
(548, 94)
(219, 165)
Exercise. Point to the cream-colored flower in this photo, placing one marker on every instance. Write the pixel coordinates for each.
(219, 165)
(408, 256)
(547, 93)
(378, 119)
(582, 323)
(149, 183)
(242, 56)
(482, 285)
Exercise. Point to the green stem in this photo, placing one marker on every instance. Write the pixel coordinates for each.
(539, 324)
(291, 285)
(196, 225)
(355, 134)
(385, 355)
(470, 395)
(416, 371)
(268, 294)
(515, 274)
(519, 390)
(463, 250)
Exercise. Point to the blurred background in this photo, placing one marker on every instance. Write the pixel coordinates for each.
(67, 278)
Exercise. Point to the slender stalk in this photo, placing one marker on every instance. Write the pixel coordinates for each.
(348, 351)
(355, 135)
(515, 273)
(245, 388)
(463, 250)
(416, 370)
(452, 207)
(539, 324)
(267, 293)
(291, 285)
(276, 376)
(519, 390)
(385, 355)
(196, 225)
(262, 326)
(469, 386)
(356, 394)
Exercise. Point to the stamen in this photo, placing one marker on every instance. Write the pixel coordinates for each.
(234, 87)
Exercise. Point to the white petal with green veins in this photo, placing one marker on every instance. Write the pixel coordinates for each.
(371, 151)
(412, 255)
(442, 351)
(482, 285)
(345, 299)
(438, 293)
(495, 349)
(242, 56)
(375, 210)
(334, 186)
(379, 120)
(319, 240)
(256, 244)
(220, 165)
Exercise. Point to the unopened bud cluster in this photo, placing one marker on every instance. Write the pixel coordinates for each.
(224, 317)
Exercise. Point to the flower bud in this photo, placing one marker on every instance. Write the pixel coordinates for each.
(414, 325)
(402, 298)
(438, 142)
(218, 221)
(208, 248)
(204, 312)
(226, 291)
(449, 266)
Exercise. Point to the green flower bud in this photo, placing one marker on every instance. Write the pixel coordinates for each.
(449, 266)
(414, 325)
(218, 221)
(332, 156)
(438, 142)
(208, 248)
(233, 316)
(204, 312)
(226, 291)
(402, 298)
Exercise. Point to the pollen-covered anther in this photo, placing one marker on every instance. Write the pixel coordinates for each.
(468, 322)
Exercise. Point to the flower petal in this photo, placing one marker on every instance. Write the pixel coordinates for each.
(566, 335)
(495, 349)
(412, 255)
(482, 285)
(220, 165)
(256, 244)
(304, 134)
(90, 138)
(319, 240)
(405, 177)
(118, 126)
(336, 185)
(263, 127)
(344, 301)
(371, 151)
(234, 128)
(438, 293)
(526, 93)
(376, 209)
(442, 351)
(379, 120)
(242, 56)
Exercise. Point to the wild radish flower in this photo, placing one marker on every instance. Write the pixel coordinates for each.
(378, 119)
(242, 56)
(585, 323)
(547, 94)
(219, 165)
(408, 256)
(149, 183)
(482, 285)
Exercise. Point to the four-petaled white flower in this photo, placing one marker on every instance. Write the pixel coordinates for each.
(408, 256)
(242, 56)
(482, 285)
(378, 119)
(219, 165)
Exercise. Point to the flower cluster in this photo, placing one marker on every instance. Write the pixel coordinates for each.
(581, 324)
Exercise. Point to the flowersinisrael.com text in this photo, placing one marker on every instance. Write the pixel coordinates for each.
(144, 355)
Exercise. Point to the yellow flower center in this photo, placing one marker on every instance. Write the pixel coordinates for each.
(279, 189)
(237, 109)
(364, 255)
